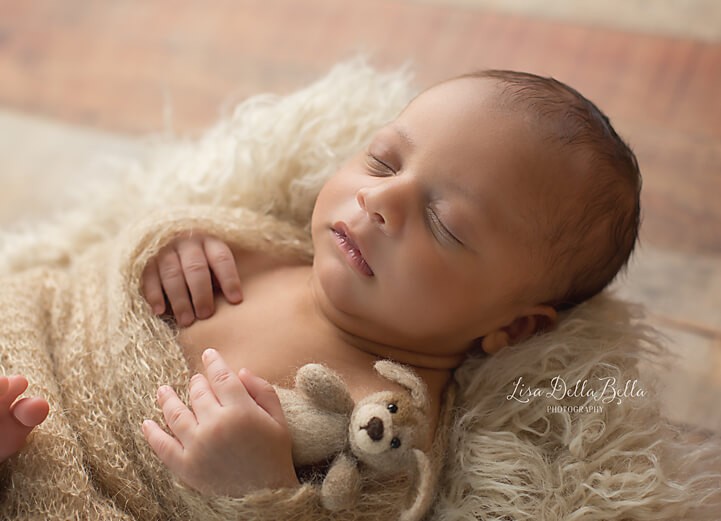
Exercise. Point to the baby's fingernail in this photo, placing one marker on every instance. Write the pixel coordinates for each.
(236, 295)
(209, 353)
(186, 319)
(163, 390)
(158, 309)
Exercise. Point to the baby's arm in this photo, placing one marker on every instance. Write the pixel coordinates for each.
(233, 441)
(183, 272)
(17, 417)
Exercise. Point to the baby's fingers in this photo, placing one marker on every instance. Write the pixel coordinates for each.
(264, 395)
(16, 385)
(180, 420)
(168, 449)
(222, 262)
(225, 383)
(31, 412)
(173, 281)
(152, 289)
(197, 276)
(202, 398)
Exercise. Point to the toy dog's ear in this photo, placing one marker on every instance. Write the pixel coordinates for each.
(325, 388)
(404, 376)
(424, 489)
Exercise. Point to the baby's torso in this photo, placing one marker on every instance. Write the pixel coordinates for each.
(258, 333)
(270, 333)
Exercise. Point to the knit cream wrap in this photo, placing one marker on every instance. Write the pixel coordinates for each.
(86, 339)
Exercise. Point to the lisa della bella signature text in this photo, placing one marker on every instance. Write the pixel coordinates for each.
(606, 391)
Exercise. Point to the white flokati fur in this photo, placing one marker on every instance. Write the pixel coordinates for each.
(514, 460)
(271, 154)
(509, 460)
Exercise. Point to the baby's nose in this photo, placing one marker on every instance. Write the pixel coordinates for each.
(362, 199)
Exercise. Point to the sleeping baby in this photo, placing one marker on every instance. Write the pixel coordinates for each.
(492, 202)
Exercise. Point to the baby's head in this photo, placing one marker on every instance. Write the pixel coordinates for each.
(491, 202)
(586, 234)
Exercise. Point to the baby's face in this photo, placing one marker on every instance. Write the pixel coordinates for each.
(421, 240)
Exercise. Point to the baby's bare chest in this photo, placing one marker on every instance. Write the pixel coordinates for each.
(269, 332)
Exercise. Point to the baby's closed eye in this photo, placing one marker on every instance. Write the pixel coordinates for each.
(379, 167)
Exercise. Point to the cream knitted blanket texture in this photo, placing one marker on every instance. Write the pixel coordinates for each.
(84, 337)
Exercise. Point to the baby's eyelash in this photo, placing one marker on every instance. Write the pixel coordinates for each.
(441, 228)
(379, 166)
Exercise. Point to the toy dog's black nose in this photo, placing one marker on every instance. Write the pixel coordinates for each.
(375, 428)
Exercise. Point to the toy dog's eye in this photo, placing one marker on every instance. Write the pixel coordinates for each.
(395, 443)
(393, 408)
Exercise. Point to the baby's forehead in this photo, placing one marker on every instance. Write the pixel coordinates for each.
(468, 120)
(473, 107)
(476, 94)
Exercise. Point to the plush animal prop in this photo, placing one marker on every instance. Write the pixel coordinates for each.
(375, 438)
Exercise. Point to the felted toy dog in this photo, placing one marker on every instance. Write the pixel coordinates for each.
(375, 438)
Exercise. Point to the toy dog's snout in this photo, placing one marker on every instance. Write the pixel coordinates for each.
(374, 428)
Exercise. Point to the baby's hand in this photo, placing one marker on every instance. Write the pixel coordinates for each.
(233, 441)
(17, 417)
(182, 270)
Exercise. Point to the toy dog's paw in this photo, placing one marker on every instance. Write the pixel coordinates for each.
(341, 485)
(324, 387)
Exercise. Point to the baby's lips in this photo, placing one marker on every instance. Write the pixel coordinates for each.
(353, 254)
(342, 229)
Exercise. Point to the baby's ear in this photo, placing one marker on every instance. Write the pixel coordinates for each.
(534, 320)
(403, 376)
(495, 341)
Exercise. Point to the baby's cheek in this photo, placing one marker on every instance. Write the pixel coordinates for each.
(428, 275)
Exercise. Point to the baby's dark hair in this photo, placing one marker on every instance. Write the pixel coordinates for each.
(588, 250)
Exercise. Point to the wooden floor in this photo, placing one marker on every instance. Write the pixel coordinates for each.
(116, 65)
(120, 67)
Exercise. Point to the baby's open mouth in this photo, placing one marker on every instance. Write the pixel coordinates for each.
(351, 249)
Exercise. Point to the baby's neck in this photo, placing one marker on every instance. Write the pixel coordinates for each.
(357, 337)
(403, 356)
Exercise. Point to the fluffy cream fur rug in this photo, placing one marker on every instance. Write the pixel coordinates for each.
(523, 446)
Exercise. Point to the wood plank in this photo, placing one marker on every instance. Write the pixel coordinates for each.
(120, 66)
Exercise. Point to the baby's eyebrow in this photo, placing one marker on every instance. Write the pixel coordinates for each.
(449, 185)
(471, 209)
(403, 133)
